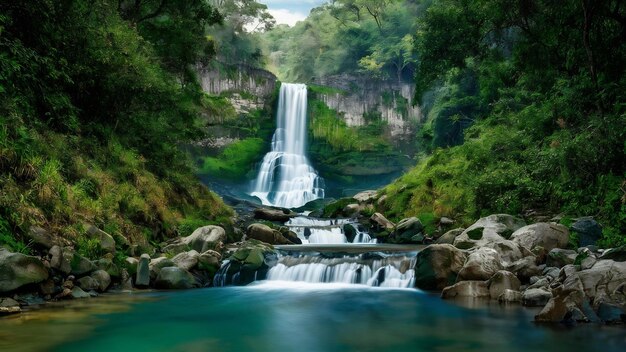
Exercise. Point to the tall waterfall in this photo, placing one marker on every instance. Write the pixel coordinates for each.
(286, 179)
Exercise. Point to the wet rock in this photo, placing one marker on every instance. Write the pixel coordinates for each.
(205, 238)
(611, 313)
(106, 241)
(501, 282)
(536, 297)
(561, 257)
(448, 237)
(603, 279)
(509, 251)
(540, 283)
(274, 214)
(589, 231)
(40, 237)
(290, 235)
(9, 306)
(143, 271)
(524, 268)
(131, 264)
(380, 222)
(266, 234)
(77, 292)
(587, 263)
(17, 270)
(492, 228)
(126, 282)
(466, 289)
(47, 287)
(209, 261)
(186, 260)
(543, 234)
(102, 278)
(551, 272)
(437, 266)
(480, 265)
(406, 229)
(510, 296)
(248, 262)
(562, 305)
(108, 266)
(174, 278)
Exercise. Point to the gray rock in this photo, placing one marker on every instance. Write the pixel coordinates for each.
(589, 231)
(102, 278)
(492, 228)
(79, 265)
(77, 292)
(546, 235)
(40, 237)
(448, 237)
(56, 258)
(143, 271)
(561, 257)
(365, 196)
(481, 264)
(209, 261)
(9, 306)
(501, 282)
(266, 234)
(131, 264)
(509, 251)
(174, 278)
(562, 306)
(87, 283)
(205, 238)
(466, 289)
(175, 248)
(541, 283)
(106, 241)
(274, 214)
(524, 268)
(186, 260)
(617, 254)
(588, 263)
(157, 264)
(437, 266)
(603, 279)
(108, 266)
(407, 228)
(536, 297)
(380, 222)
(17, 270)
(510, 296)
(551, 272)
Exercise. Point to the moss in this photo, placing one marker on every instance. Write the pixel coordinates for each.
(236, 161)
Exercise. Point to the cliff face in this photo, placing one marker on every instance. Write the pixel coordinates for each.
(359, 97)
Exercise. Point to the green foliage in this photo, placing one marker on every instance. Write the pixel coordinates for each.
(89, 247)
(236, 160)
(335, 208)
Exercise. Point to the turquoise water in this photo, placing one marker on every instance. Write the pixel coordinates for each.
(292, 317)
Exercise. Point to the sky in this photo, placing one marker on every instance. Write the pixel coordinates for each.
(290, 11)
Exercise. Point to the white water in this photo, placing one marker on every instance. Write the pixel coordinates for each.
(348, 270)
(323, 231)
(286, 179)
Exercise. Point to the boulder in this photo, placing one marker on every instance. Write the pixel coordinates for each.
(466, 289)
(87, 283)
(543, 234)
(102, 278)
(611, 313)
(70, 262)
(274, 214)
(174, 278)
(501, 282)
(437, 266)
(157, 264)
(40, 237)
(380, 222)
(9, 306)
(561, 257)
(406, 229)
(209, 261)
(205, 238)
(536, 297)
(131, 264)
(248, 263)
(106, 241)
(266, 234)
(56, 259)
(186, 260)
(17, 270)
(510, 296)
(175, 247)
(492, 228)
(449, 236)
(509, 251)
(108, 266)
(481, 264)
(143, 271)
(566, 301)
(77, 292)
(524, 268)
(617, 254)
(365, 196)
(603, 279)
(290, 235)
(588, 230)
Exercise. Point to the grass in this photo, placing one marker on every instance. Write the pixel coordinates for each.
(236, 160)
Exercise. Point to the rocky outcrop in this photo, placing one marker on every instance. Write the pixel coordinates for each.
(266, 234)
(409, 230)
(17, 270)
(481, 264)
(206, 238)
(380, 222)
(490, 229)
(546, 235)
(437, 266)
(250, 261)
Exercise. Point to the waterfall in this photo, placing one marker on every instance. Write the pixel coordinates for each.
(393, 271)
(326, 231)
(286, 179)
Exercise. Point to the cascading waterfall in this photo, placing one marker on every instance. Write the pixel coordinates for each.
(286, 179)
(392, 271)
(322, 231)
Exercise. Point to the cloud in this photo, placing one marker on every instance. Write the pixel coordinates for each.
(284, 16)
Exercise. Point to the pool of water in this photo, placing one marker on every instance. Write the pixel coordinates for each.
(282, 316)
